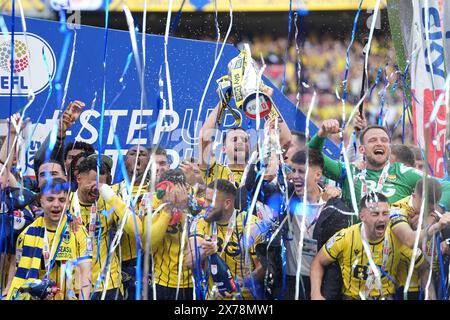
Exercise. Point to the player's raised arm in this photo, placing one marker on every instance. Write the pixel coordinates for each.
(68, 118)
(206, 135)
(333, 168)
(320, 261)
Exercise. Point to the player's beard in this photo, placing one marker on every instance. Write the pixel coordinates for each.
(214, 216)
(375, 163)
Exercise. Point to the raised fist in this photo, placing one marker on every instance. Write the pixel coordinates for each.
(70, 115)
(328, 127)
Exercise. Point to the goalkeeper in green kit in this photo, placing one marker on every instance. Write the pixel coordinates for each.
(396, 181)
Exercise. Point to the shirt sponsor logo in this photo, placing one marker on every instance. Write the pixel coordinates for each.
(392, 177)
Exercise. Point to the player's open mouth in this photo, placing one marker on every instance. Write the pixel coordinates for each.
(93, 194)
(380, 227)
(379, 152)
(298, 184)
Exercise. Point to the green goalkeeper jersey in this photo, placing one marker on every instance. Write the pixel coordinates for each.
(398, 184)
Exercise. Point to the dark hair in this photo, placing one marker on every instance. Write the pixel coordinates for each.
(78, 145)
(363, 133)
(224, 186)
(173, 175)
(371, 197)
(51, 160)
(315, 158)
(434, 190)
(55, 185)
(90, 163)
(404, 154)
(73, 164)
(299, 136)
(231, 129)
(141, 147)
(299, 157)
(417, 153)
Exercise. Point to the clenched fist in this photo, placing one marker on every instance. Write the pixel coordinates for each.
(70, 115)
(328, 127)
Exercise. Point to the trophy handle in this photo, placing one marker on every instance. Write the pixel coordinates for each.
(274, 113)
(225, 92)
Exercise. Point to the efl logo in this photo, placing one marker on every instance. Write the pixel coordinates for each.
(33, 57)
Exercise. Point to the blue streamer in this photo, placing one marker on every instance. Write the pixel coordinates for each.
(102, 114)
(176, 21)
(347, 68)
(11, 74)
(62, 61)
(50, 91)
(377, 80)
(69, 219)
(383, 96)
(121, 163)
(123, 84)
(441, 267)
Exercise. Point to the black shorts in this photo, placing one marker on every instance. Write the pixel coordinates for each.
(112, 294)
(167, 293)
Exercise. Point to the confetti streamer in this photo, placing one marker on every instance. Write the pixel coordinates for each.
(216, 62)
(416, 244)
(166, 58)
(347, 61)
(299, 65)
(102, 113)
(287, 47)
(216, 24)
(433, 243)
(369, 41)
(176, 21)
(305, 201)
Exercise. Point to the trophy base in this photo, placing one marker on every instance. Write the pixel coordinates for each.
(249, 105)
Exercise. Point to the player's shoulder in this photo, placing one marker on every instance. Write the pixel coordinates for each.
(345, 233)
(242, 218)
(116, 187)
(211, 165)
(402, 206)
(198, 225)
(401, 170)
(35, 228)
(81, 233)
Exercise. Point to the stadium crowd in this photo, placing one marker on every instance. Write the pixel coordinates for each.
(322, 67)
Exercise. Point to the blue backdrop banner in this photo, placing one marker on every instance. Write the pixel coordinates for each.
(42, 64)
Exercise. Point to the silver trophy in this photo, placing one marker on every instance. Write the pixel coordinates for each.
(246, 85)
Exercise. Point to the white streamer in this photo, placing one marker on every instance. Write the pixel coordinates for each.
(416, 244)
(181, 256)
(305, 200)
(148, 237)
(430, 273)
(69, 72)
(216, 62)
(369, 41)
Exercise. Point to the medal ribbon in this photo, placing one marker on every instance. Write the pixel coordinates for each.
(375, 274)
(381, 180)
